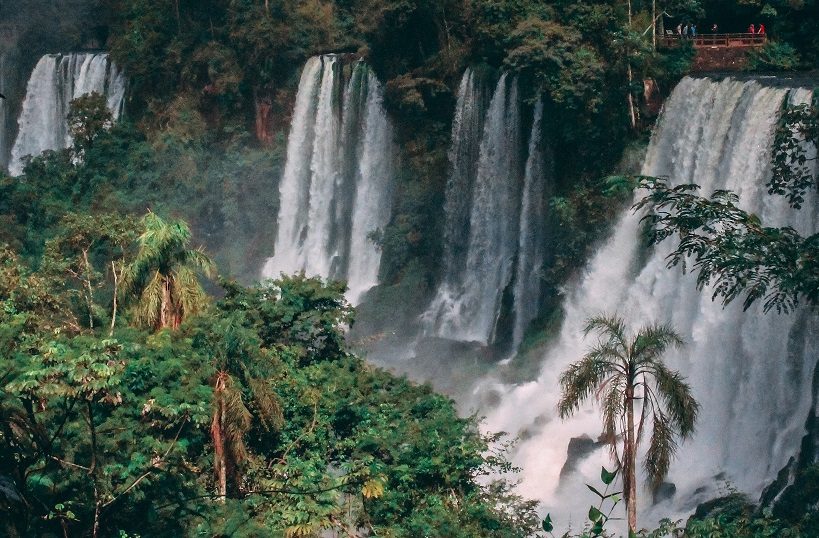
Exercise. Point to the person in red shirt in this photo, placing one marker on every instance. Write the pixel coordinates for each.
(761, 30)
(751, 29)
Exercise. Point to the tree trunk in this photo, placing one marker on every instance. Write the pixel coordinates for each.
(654, 23)
(630, 457)
(89, 297)
(218, 436)
(165, 307)
(264, 128)
(116, 292)
(631, 109)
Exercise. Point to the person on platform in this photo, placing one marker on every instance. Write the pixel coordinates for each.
(714, 28)
(693, 30)
(679, 29)
(751, 29)
(685, 32)
(761, 30)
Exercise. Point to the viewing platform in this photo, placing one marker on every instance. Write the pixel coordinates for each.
(716, 52)
(670, 40)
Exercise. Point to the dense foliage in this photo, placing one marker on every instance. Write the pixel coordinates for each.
(250, 418)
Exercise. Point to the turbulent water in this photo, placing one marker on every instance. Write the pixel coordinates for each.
(336, 189)
(492, 238)
(751, 372)
(55, 81)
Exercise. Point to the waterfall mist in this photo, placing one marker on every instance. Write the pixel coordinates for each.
(55, 81)
(751, 372)
(336, 189)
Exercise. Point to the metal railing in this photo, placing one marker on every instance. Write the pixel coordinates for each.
(671, 39)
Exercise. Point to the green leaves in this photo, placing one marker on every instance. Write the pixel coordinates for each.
(607, 476)
(547, 524)
(732, 251)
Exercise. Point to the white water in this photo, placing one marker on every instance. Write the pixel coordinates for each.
(337, 182)
(4, 127)
(494, 215)
(531, 235)
(371, 207)
(55, 81)
(751, 372)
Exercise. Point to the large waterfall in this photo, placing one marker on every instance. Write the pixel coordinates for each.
(493, 234)
(336, 189)
(751, 372)
(55, 81)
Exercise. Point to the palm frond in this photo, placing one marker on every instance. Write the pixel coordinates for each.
(578, 382)
(660, 450)
(196, 259)
(654, 340)
(612, 328)
(147, 309)
(187, 294)
(613, 409)
(237, 419)
(677, 400)
(267, 402)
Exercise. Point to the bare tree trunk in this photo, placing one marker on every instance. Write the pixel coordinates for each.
(630, 457)
(631, 108)
(92, 470)
(89, 294)
(116, 292)
(654, 23)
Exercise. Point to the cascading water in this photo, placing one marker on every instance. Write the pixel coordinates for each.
(751, 372)
(337, 182)
(55, 81)
(3, 113)
(489, 225)
(531, 236)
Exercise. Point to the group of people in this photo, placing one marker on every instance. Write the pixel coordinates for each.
(754, 30)
(687, 31)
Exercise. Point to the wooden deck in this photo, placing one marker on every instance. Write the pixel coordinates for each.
(713, 40)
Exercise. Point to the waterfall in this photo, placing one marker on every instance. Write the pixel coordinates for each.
(371, 208)
(531, 237)
(4, 112)
(467, 131)
(489, 223)
(336, 188)
(55, 81)
(751, 372)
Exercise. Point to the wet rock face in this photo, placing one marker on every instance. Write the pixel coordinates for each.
(579, 448)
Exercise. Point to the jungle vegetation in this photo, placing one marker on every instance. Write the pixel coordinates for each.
(142, 395)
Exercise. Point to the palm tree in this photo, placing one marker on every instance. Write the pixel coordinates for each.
(624, 371)
(162, 279)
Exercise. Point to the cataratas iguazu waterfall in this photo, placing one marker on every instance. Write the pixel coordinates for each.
(55, 81)
(335, 192)
(752, 372)
(714, 132)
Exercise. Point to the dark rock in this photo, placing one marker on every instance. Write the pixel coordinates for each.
(664, 491)
(579, 448)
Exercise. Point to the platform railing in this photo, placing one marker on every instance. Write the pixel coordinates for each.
(671, 39)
